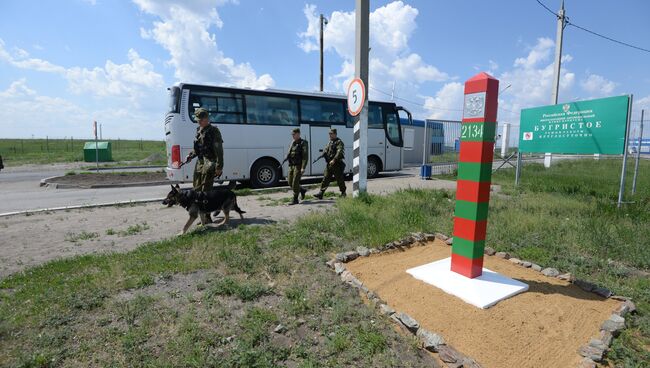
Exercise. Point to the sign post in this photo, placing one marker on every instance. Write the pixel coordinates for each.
(474, 174)
(360, 132)
(96, 148)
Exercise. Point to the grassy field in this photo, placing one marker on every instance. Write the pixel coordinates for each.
(17, 152)
(215, 298)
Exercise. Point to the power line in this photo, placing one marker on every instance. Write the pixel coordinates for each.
(546, 7)
(608, 38)
(592, 32)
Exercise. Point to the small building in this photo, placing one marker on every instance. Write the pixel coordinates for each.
(103, 150)
(440, 138)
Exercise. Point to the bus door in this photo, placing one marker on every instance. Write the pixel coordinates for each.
(318, 138)
(394, 143)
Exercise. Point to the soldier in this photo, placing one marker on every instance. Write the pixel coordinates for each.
(334, 154)
(298, 156)
(208, 147)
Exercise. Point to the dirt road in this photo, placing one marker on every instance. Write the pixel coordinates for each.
(30, 240)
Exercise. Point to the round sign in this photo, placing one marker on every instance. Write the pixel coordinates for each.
(356, 96)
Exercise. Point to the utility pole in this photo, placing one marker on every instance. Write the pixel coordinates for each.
(360, 135)
(323, 21)
(561, 23)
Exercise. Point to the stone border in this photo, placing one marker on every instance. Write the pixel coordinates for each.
(592, 352)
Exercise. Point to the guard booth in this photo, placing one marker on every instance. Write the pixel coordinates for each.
(103, 150)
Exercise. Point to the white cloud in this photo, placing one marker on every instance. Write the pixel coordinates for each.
(446, 103)
(598, 85)
(538, 53)
(58, 117)
(391, 27)
(184, 31)
(131, 80)
(531, 80)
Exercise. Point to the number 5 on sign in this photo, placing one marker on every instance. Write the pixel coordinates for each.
(356, 96)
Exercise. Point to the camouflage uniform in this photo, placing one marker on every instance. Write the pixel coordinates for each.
(298, 156)
(334, 151)
(208, 147)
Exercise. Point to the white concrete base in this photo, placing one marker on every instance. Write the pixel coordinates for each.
(483, 291)
(548, 157)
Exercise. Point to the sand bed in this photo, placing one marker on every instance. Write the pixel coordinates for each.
(543, 327)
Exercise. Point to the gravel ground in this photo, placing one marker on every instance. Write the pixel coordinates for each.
(33, 239)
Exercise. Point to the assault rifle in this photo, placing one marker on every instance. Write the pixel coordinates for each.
(318, 158)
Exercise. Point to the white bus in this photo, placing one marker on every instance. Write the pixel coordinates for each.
(256, 128)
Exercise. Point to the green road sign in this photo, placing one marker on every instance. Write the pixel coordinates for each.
(582, 127)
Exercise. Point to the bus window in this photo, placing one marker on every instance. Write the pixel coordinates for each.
(374, 117)
(224, 108)
(174, 99)
(393, 129)
(267, 110)
(330, 112)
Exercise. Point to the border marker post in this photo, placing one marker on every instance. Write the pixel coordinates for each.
(474, 174)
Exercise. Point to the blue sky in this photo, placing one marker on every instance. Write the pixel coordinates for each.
(64, 64)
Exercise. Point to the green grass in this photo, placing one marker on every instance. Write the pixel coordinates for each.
(67, 312)
(84, 235)
(17, 152)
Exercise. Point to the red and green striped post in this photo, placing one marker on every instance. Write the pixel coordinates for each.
(474, 174)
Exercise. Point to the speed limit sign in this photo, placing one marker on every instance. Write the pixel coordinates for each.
(356, 96)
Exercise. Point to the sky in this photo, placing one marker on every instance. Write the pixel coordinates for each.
(66, 63)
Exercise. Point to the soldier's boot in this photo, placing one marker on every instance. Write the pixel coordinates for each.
(343, 195)
(319, 195)
(295, 200)
(303, 191)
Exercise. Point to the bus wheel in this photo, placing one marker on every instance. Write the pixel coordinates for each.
(264, 174)
(374, 166)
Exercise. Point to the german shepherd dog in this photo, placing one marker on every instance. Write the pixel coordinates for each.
(203, 203)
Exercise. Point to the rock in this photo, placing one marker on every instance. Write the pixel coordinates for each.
(470, 363)
(371, 295)
(598, 344)
(448, 354)
(330, 263)
(430, 237)
(515, 260)
(614, 324)
(566, 277)
(587, 363)
(408, 321)
(550, 272)
(349, 278)
(606, 337)
(280, 329)
(536, 267)
(347, 256)
(504, 255)
(385, 309)
(527, 264)
(489, 251)
(430, 341)
(449, 241)
(363, 251)
(591, 352)
(625, 308)
(584, 285)
(441, 236)
(364, 289)
(604, 292)
(374, 251)
(301, 321)
(339, 268)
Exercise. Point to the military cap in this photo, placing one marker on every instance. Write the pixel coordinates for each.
(295, 130)
(333, 130)
(200, 113)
